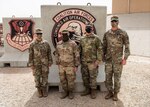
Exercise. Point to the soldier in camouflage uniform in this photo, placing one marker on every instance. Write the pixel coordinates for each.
(68, 60)
(91, 57)
(114, 42)
(40, 60)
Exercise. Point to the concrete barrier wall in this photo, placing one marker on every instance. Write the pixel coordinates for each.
(48, 16)
(49, 11)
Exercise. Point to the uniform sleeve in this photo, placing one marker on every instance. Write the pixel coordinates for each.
(76, 55)
(104, 47)
(126, 43)
(56, 53)
(50, 60)
(31, 56)
(80, 49)
(99, 50)
(104, 44)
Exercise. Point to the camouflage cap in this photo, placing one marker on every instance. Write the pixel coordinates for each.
(89, 24)
(38, 31)
(116, 18)
(65, 31)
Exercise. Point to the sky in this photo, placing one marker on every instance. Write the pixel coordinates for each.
(26, 8)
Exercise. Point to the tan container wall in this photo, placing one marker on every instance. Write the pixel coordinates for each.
(130, 6)
(137, 6)
(119, 6)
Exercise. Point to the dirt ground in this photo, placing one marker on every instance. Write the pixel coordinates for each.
(17, 89)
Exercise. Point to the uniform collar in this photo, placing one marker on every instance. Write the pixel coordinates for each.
(90, 35)
(66, 42)
(39, 41)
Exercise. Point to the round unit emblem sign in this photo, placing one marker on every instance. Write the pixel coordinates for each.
(21, 34)
(74, 20)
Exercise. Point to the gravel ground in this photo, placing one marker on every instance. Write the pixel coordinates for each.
(17, 89)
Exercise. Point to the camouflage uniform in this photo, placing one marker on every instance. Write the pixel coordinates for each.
(40, 57)
(67, 57)
(91, 51)
(113, 43)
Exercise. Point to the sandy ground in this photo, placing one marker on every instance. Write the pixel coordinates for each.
(17, 89)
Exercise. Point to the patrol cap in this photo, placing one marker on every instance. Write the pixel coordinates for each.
(114, 18)
(89, 25)
(65, 31)
(38, 31)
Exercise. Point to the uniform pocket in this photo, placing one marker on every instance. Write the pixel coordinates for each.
(91, 66)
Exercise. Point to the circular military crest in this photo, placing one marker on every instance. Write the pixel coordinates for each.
(74, 20)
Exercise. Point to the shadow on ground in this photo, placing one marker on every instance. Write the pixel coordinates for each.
(53, 100)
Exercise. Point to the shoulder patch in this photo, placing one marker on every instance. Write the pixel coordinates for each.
(32, 43)
(72, 42)
(122, 32)
(59, 43)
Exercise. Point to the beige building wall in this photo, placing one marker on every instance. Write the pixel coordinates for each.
(119, 6)
(130, 6)
(139, 6)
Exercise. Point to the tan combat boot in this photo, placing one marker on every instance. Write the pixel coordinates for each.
(45, 91)
(71, 95)
(115, 97)
(39, 92)
(93, 93)
(64, 94)
(109, 95)
(85, 92)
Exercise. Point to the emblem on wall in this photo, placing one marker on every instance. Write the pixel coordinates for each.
(21, 34)
(74, 20)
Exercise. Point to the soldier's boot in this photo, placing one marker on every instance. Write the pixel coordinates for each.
(71, 95)
(64, 94)
(93, 93)
(45, 91)
(85, 92)
(115, 97)
(109, 95)
(39, 92)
